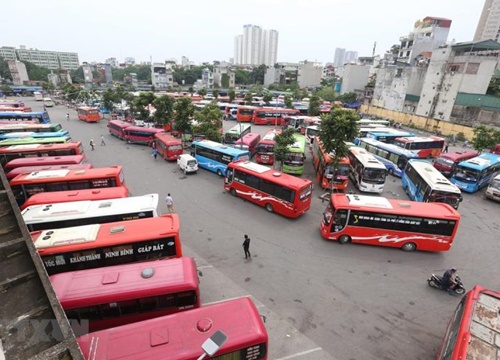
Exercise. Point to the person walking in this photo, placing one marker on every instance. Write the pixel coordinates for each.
(170, 203)
(246, 247)
(67, 116)
(155, 153)
(92, 144)
(102, 141)
(445, 148)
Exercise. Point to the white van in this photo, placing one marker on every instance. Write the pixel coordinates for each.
(48, 102)
(493, 190)
(187, 163)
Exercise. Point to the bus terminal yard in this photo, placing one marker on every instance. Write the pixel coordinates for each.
(321, 299)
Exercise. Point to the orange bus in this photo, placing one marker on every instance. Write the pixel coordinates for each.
(181, 335)
(88, 114)
(140, 135)
(44, 161)
(327, 175)
(265, 147)
(9, 153)
(278, 192)
(77, 195)
(373, 220)
(425, 146)
(99, 245)
(29, 169)
(168, 147)
(272, 115)
(117, 128)
(25, 185)
(112, 296)
(245, 113)
(473, 329)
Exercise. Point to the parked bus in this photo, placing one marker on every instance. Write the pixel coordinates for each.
(272, 116)
(236, 133)
(77, 213)
(278, 192)
(425, 146)
(34, 135)
(117, 128)
(496, 149)
(248, 142)
(308, 123)
(363, 131)
(388, 135)
(20, 127)
(424, 183)
(447, 162)
(168, 146)
(215, 157)
(118, 295)
(372, 122)
(327, 175)
(389, 152)
(88, 114)
(367, 173)
(101, 245)
(311, 133)
(29, 169)
(41, 117)
(44, 161)
(299, 123)
(6, 108)
(24, 186)
(390, 166)
(12, 103)
(296, 155)
(39, 150)
(245, 113)
(140, 135)
(404, 224)
(31, 141)
(476, 173)
(76, 195)
(181, 335)
(265, 147)
(473, 330)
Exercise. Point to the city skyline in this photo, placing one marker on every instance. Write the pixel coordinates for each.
(205, 32)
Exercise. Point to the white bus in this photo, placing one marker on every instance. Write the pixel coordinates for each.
(77, 213)
(364, 122)
(366, 171)
(38, 96)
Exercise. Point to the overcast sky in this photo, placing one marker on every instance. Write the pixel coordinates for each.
(204, 30)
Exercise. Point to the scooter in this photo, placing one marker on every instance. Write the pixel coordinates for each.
(436, 281)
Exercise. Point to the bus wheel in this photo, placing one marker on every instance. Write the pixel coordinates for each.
(219, 172)
(232, 192)
(409, 246)
(391, 171)
(269, 207)
(344, 239)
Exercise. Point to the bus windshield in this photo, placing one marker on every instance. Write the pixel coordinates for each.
(375, 176)
(467, 175)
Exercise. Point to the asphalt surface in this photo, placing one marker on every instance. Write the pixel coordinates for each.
(322, 300)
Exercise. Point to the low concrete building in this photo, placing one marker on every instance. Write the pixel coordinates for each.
(305, 73)
(355, 77)
(18, 72)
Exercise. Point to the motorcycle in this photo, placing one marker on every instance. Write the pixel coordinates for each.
(437, 282)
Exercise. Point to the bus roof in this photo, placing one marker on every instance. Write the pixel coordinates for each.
(95, 286)
(389, 131)
(432, 176)
(419, 138)
(45, 160)
(182, 334)
(459, 155)
(30, 141)
(271, 134)
(29, 169)
(238, 129)
(119, 123)
(27, 126)
(209, 144)
(271, 174)
(144, 129)
(366, 158)
(56, 175)
(90, 236)
(26, 114)
(481, 162)
(248, 138)
(87, 108)
(390, 147)
(166, 137)
(394, 206)
(299, 146)
(87, 208)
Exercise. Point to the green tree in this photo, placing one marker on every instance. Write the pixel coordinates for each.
(257, 75)
(35, 72)
(314, 105)
(109, 99)
(241, 77)
(191, 90)
(337, 127)
(248, 98)
(288, 102)
(184, 111)
(215, 93)
(485, 138)
(209, 122)
(48, 86)
(326, 93)
(140, 105)
(6, 89)
(77, 75)
(231, 94)
(164, 106)
(4, 70)
(347, 97)
(494, 87)
(202, 92)
(281, 143)
(267, 98)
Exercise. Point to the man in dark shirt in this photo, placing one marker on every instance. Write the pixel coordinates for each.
(449, 279)
(246, 247)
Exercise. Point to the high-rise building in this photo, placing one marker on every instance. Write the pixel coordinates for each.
(338, 59)
(488, 26)
(256, 46)
(350, 57)
(47, 59)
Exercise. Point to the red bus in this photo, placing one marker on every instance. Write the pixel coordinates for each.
(180, 336)
(278, 192)
(88, 114)
(473, 329)
(9, 153)
(372, 220)
(496, 149)
(99, 245)
(76, 195)
(140, 135)
(308, 122)
(272, 116)
(29, 169)
(447, 162)
(245, 113)
(248, 142)
(168, 147)
(265, 147)
(44, 161)
(425, 147)
(25, 185)
(117, 128)
(15, 109)
(327, 175)
(12, 103)
(117, 295)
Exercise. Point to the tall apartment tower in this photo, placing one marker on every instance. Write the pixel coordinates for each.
(338, 59)
(256, 46)
(489, 22)
(269, 47)
(350, 57)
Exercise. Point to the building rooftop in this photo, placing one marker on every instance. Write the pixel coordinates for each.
(484, 45)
